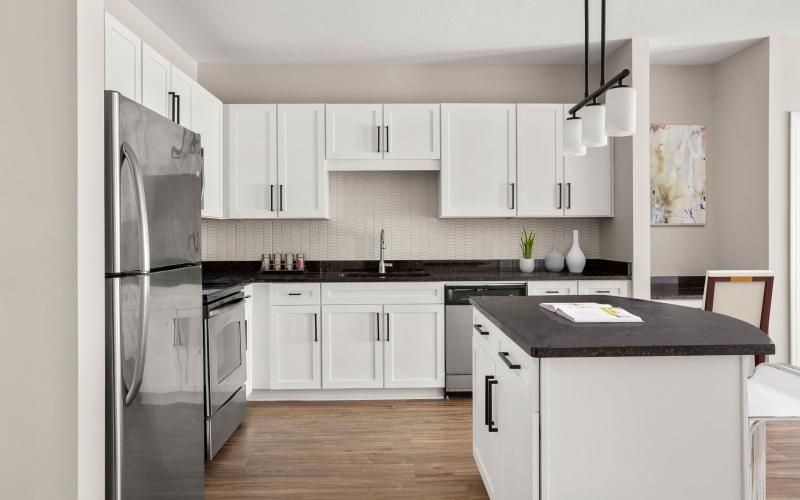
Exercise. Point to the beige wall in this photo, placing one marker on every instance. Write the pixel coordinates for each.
(130, 16)
(741, 154)
(684, 95)
(38, 372)
(784, 75)
(257, 83)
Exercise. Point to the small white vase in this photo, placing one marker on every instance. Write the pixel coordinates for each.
(526, 265)
(554, 260)
(576, 260)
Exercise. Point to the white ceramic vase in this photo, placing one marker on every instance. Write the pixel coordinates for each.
(576, 260)
(554, 260)
(526, 265)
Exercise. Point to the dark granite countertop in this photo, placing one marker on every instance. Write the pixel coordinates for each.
(677, 287)
(667, 330)
(223, 273)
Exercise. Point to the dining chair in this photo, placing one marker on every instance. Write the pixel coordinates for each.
(773, 390)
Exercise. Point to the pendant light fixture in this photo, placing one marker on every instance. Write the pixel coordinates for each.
(597, 121)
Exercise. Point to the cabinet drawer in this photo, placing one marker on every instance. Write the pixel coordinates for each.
(565, 287)
(484, 331)
(383, 293)
(294, 294)
(518, 368)
(617, 288)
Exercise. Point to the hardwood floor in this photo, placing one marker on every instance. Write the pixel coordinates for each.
(389, 450)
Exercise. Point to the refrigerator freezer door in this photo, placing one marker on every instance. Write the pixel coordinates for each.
(156, 419)
(145, 150)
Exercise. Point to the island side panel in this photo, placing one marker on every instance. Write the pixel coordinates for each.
(659, 428)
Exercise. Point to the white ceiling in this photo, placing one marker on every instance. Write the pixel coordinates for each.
(460, 31)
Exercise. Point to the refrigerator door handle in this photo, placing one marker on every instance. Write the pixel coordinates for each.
(141, 205)
(138, 366)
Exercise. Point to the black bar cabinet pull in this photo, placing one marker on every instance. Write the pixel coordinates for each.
(513, 194)
(569, 195)
(178, 97)
(378, 326)
(486, 400)
(379, 138)
(386, 148)
(295, 294)
(560, 195)
(509, 364)
(479, 329)
(490, 382)
(316, 338)
(171, 105)
(387, 327)
(271, 197)
(280, 193)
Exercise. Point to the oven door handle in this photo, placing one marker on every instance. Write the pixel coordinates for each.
(221, 309)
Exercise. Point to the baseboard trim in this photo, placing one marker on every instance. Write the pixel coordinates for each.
(344, 394)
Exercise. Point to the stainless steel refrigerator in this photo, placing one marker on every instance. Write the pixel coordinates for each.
(154, 322)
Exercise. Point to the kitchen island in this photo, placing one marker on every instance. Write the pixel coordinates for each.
(652, 410)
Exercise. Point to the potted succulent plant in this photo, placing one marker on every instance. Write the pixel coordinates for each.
(526, 241)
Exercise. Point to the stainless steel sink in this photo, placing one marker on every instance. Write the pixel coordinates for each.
(408, 273)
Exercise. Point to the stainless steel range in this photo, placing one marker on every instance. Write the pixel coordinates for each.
(225, 345)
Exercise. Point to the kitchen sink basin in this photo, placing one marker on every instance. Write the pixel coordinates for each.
(389, 274)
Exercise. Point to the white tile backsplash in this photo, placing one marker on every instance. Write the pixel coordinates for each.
(406, 205)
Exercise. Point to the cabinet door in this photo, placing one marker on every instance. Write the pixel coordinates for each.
(295, 347)
(182, 85)
(588, 183)
(413, 353)
(411, 132)
(206, 111)
(353, 131)
(479, 155)
(352, 353)
(251, 152)
(485, 444)
(302, 180)
(123, 60)
(156, 82)
(540, 160)
(518, 429)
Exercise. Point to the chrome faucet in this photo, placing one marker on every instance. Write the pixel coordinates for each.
(382, 265)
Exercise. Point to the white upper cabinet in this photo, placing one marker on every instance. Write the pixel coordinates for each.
(540, 160)
(182, 85)
(275, 161)
(206, 111)
(251, 166)
(588, 182)
(411, 132)
(123, 60)
(156, 81)
(479, 167)
(354, 131)
(302, 180)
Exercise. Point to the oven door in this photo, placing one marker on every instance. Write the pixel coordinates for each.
(226, 343)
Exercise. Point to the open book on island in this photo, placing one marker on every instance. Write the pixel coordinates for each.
(590, 312)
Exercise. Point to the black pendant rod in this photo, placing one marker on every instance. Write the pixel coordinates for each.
(602, 43)
(600, 91)
(585, 48)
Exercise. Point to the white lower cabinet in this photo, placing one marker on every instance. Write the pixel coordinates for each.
(618, 288)
(295, 347)
(505, 426)
(413, 352)
(565, 287)
(352, 352)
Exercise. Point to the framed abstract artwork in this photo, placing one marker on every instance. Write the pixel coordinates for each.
(677, 174)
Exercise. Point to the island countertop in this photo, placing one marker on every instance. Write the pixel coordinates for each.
(667, 330)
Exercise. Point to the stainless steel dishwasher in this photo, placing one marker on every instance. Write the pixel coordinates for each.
(458, 329)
